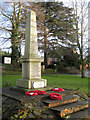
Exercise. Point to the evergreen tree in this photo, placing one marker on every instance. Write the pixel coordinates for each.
(54, 23)
(55, 27)
(59, 20)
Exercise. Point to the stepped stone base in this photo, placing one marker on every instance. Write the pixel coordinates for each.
(36, 83)
(66, 100)
(78, 108)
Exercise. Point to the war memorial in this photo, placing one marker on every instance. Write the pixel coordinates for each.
(31, 98)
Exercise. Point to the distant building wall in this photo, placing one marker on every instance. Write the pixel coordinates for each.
(49, 61)
(85, 67)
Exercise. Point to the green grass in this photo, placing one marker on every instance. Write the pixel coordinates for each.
(63, 81)
(9, 80)
(68, 81)
(12, 72)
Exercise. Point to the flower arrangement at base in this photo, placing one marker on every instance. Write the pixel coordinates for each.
(31, 93)
(36, 92)
(40, 92)
(58, 89)
(55, 96)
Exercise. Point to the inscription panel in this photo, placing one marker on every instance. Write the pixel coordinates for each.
(38, 84)
(35, 70)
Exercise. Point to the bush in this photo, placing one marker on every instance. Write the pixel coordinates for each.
(73, 70)
(12, 67)
(63, 68)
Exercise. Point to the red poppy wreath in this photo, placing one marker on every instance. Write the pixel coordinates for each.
(58, 89)
(36, 92)
(31, 93)
(40, 92)
(55, 96)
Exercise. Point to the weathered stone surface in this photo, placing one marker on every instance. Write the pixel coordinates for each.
(71, 108)
(19, 93)
(37, 112)
(31, 115)
(66, 99)
(81, 114)
(31, 61)
(9, 107)
(33, 106)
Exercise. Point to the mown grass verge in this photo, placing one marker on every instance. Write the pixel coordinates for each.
(63, 81)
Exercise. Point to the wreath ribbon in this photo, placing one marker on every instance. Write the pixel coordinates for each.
(58, 89)
(31, 93)
(36, 92)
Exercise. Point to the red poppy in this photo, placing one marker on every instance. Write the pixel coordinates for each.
(36, 92)
(27, 93)
(31, 93)
(55, 96)
(40, 92)
(58, 89)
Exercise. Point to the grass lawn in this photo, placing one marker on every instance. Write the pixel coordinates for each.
(63, 81)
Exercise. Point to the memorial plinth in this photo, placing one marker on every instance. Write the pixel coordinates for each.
(31, 61)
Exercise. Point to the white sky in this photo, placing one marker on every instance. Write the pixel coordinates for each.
(66, 3)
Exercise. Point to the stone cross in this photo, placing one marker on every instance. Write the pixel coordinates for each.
(31, 61)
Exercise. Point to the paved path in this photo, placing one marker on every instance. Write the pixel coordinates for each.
(87, 74)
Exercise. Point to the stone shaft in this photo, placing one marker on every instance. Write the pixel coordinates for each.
(31, 61)
(31, 45)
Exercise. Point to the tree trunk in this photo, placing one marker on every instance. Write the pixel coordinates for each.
(14, 54)
(78, 44)
(82, 70)
(81, 50)
(45, 46)
(15, 35)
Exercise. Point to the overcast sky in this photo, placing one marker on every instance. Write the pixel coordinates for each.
(66, 3)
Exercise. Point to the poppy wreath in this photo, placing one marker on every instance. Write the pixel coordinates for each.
(40, 92)
(31, 93)
(58, 89)
(55, 96)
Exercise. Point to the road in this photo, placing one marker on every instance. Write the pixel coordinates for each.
(87, 73)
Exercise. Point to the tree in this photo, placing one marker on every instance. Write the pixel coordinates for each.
(16, 18)
(54, 22)
(56, 28)
(61, 28)
(10, 26)
(69, 60)
(80, 30)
